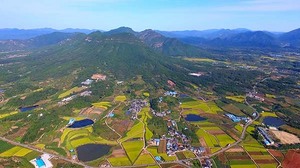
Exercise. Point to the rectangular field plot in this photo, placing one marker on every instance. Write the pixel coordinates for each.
(153, 151)
(16, 151)
(119, 161)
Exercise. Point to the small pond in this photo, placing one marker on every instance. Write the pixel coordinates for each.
(28, 108)
(194, 117)
(81, 123)
(2, 90)
(273, 121)
(91, 152)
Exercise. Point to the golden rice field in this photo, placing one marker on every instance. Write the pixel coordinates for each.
(104, 105)
(133, 149)
(120, 98)
(16, 151)
(71, 91)
(119, 161)
(8, 114)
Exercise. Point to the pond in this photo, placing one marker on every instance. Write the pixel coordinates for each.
(91, 152)
(28, 108)
(2, 90)
(194, 117)
(273, 121)
(81, 123)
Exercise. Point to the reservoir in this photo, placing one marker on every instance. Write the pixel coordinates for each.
(81, 123)
(273, 121)
(91, 152)
(28, 108)
(194, 117)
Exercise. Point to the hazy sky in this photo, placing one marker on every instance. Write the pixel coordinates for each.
(273, 15)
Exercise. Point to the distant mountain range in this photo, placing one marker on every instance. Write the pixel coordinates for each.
(206, 38)
(21, 34)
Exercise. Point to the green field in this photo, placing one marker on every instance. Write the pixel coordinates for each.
(153, 151)
(144, 159)
(135, 132)
(74, 138)
(119, 161)
(133, 149)
(193, 106)
(236, 98)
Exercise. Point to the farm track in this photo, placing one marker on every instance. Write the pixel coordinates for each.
(177, 162)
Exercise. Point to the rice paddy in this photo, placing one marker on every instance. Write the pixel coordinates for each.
(120, 98)
(196, 106)
(153, 151)
(236, 98)
(133, 149)
(144, 159)
(104, 105)
(8, 114)
(71, 91)
(119, 161)
(16, 151)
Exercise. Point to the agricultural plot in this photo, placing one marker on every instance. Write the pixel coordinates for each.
(195, 106)
(8, 114)
(104, 105)
(153, 151)
(71, 91)
(16, 151)
(233, 109)
(214, 137)
(236, 98)
(119, 161)
(120, 98)
(137, 131)
(144, 159)
(259, 154)
(74, 138)
(133, 149)
(239, 159)
(268, 114)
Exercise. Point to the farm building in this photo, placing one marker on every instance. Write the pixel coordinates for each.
(42, 161)
(87, 82)
(267, 140)
(98, 77)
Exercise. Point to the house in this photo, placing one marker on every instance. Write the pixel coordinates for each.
(87, 82)
(171, 83)
(98, 77)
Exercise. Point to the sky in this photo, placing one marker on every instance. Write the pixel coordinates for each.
(168, 15)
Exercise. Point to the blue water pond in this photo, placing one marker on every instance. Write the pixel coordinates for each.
(194, 117)
(81, 123)
(273, 121)
(24, 109)
(89, 152)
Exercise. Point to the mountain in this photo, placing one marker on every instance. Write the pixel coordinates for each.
(245, 39)
(167, 46)
(22, 34)
(120, 30)
(123, 55)
(291, 38)
(206, 34)
(36, 42)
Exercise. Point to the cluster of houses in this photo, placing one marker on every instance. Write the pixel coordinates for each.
(256, 96)
(175, 142)
(265, 135)
(171, 93)
(161, 114)
(85, 84)
(136, 106)
(235, 118)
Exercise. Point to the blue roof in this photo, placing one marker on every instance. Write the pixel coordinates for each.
(40, 162)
